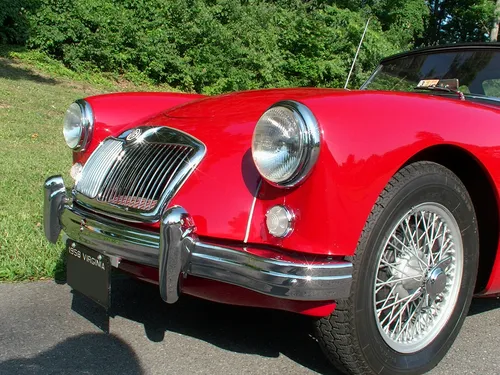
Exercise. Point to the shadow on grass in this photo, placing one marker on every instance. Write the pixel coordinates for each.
(83, 354)
(9, 69)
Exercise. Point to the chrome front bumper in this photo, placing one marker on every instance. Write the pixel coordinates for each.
(177, 252)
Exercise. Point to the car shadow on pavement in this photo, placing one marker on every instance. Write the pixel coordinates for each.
(92, 353)
(267, 333)
(482, 305)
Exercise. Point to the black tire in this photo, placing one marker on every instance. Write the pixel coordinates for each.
(350, 337)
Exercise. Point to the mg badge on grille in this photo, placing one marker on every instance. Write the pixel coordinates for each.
(136, 133)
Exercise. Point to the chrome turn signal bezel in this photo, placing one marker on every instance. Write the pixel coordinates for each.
(287, 215)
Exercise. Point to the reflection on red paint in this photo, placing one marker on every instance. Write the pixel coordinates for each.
(366, 137)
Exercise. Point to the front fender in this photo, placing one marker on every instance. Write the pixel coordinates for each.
(219, 193)
(367, 137)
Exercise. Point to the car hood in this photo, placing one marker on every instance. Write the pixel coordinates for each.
(243, 104)
(220, 192)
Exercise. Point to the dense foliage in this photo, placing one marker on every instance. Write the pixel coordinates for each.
(214, 46)
(13, 20)
(210, 46)
(464, 20)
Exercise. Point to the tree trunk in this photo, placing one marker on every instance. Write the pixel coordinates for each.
(494, 29)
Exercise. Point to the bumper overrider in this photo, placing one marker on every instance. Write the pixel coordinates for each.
(177, 252)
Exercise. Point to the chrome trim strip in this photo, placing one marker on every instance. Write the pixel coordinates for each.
(370, 79)
(252, 208)
(178, 253)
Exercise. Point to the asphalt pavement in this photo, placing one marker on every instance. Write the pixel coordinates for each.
(47, 329)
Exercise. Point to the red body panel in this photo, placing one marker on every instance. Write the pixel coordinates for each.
(113, 113)
(366, 138)
(226, 293)
(493, 287)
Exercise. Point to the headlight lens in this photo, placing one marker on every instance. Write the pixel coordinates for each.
(73, 125)
(285, 143)
(78, 124)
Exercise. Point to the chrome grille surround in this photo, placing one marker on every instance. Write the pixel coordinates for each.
(133, 176)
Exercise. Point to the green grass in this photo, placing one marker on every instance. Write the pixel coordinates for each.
(34, 94)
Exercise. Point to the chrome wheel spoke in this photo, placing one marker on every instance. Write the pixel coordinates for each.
(394, 280)
(407, 324)
(393, 267)
(419, 275)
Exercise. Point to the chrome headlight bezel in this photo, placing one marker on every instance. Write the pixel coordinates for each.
(309, 134)
(86, 125)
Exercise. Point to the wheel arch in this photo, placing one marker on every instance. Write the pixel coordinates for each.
(481, 189)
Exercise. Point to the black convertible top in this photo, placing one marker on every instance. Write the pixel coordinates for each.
(444, 48)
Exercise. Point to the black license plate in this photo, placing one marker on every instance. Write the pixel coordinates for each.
(88, 272)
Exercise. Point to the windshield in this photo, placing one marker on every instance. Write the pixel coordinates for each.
(477, 72)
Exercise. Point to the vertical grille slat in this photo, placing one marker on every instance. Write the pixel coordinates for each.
(97, 166)
(148, 193)
(168, 172)
(169, 177)
(122, 172)
(135, 175)
(156, 156)
(135, 165)
(166, 154)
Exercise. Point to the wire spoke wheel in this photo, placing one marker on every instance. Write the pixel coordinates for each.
(419, 276)
(414, 273)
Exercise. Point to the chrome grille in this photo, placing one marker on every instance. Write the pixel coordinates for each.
(138, 179)
(135, 177)
(101, 160)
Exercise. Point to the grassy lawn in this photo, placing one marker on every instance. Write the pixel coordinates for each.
(34, 95)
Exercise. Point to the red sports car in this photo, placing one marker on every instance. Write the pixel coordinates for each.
(374, 211)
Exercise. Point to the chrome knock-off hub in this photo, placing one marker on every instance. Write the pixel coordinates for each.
(437, 279)
(436, 283)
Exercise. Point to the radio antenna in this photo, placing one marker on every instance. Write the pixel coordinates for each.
(356, 56)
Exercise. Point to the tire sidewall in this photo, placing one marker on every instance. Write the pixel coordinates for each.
(432, 187)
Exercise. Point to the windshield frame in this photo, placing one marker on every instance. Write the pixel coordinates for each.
(436, 50)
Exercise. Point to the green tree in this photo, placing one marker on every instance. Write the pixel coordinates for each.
(452, 21)
(214, 46)
(496, 21)
(402, 19)
(13, 20)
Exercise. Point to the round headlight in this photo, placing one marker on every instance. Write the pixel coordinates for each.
(285, 144)
(78, 125)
